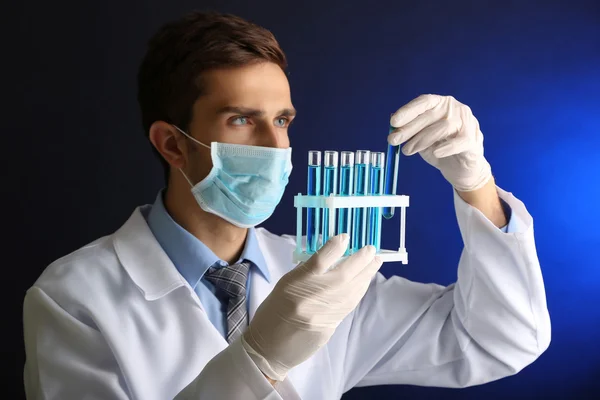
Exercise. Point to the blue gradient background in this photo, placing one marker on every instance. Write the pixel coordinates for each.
(530, 71)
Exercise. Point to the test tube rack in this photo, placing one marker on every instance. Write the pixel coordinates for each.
(351, 202)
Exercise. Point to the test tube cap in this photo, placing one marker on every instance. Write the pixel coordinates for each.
(331, 158)
(377, 159)
(363, 157)
(314, 157)
(347, 158)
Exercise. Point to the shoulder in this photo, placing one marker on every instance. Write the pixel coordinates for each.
(95, 272)
(78, 281)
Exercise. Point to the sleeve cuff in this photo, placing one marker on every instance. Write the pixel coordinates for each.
(508, 213)
(231, 374)
(512, 209)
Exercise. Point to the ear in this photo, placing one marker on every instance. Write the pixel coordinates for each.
(168, 142)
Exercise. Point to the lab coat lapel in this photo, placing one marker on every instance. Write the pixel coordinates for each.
(277, 253)
(155, 275)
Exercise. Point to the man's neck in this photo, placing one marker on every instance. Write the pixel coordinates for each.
(223, 238)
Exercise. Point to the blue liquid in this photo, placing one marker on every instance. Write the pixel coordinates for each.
(391, 176)
(312, 214)
(374, 233)
(346, 180)
(329, 182)
(361, 180)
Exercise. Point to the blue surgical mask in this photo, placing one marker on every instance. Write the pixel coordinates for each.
(245, 184)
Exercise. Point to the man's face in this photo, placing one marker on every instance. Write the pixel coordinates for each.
(250, 105)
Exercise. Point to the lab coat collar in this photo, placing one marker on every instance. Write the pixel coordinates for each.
(143, 258)
(277, 253)
(191, 257)
(253, 253)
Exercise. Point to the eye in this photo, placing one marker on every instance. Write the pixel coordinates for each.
(240, 121)
(281, 122)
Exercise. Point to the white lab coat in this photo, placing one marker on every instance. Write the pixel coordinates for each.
(115, 320)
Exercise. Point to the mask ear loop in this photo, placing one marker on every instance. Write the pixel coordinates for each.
(194, 140)
(186, 178)
(191, 138)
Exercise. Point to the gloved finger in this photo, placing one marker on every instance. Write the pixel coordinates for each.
(465, 138)
(435, 132)
(356, 289)
(413, 109)
(458, 145)
(412, 128)
(327, 255)
(353, 265)
(363, 279)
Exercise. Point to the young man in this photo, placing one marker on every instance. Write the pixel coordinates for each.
(188, 300)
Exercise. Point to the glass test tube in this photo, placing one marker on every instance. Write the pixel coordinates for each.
(346, 187)
(391, 174)
(330, 164)
(361, 187)
(375, 188)
(313, 189)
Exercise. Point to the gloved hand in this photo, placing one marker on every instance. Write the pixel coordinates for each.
(447, 135)
(306, 306)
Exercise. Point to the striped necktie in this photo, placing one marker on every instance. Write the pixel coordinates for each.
(231, 281)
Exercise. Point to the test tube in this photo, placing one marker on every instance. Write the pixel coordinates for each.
(375, 189)
(346, 189)
(313, 189)
(361, 188)
(391, 174)
(330, 164)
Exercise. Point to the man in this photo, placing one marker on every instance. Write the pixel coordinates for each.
(188, 300)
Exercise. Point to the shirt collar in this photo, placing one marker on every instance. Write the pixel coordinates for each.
(191, 257)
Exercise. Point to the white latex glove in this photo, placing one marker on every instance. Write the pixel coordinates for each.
(306, 306)
(447, 135)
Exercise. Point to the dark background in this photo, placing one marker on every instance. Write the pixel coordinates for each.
(76, 162)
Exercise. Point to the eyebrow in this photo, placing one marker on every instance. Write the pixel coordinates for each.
(252, 112)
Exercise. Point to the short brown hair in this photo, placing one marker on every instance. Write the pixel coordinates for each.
(169, 76)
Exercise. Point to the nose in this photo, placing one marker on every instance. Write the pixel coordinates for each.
(273, 136)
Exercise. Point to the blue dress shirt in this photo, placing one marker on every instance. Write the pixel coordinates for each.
(192, 258)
